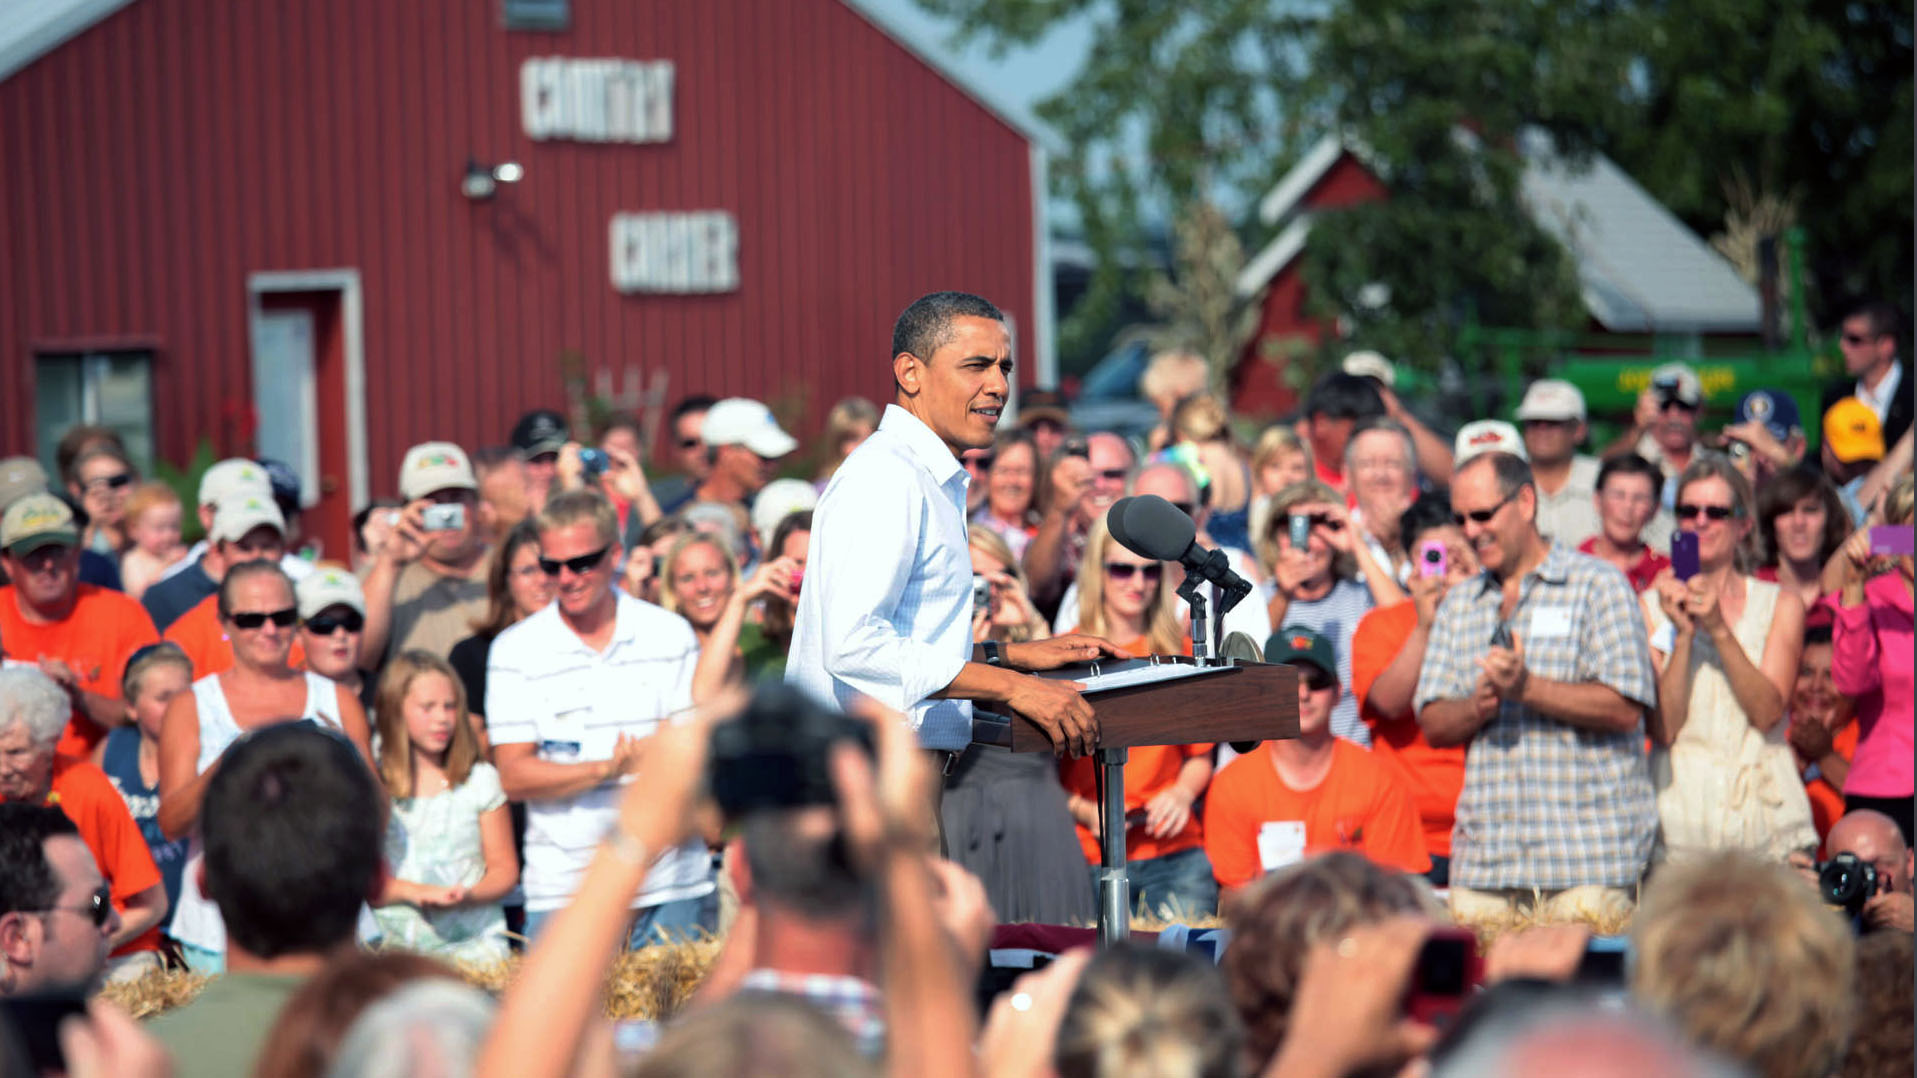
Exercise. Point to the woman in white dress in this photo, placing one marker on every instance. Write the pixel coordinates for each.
(1725, 646)
(259, 615)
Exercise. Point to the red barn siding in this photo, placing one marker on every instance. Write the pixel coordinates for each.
(157, 159)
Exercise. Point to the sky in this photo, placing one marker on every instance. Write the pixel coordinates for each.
(1021, 78)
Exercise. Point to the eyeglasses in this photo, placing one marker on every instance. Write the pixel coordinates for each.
(253, 619)
(327, 625)
(1687, 511)
(584, 563)
(1121, 570)
(98, 908)
(108, 482)
(1483, 516)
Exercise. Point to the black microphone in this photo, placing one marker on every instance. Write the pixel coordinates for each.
(1151, 527)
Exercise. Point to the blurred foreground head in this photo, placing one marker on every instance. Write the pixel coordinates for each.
(1144, 1012)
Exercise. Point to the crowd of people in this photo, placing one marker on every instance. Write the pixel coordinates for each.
(1668, 685)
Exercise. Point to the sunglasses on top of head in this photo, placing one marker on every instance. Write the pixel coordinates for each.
(253, 619)
(584, 563)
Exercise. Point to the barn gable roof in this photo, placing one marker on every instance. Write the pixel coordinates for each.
(1639, 268)
(33, 28)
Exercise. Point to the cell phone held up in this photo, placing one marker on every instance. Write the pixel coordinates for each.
(1891, 541)
(1432, 559)
(1300, 530)
(1684, 563)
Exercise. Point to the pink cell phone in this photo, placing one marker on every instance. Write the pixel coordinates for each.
(1684, 564)
(1893, 540)
(1432, 559)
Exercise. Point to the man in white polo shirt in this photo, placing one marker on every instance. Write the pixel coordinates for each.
(570, 691)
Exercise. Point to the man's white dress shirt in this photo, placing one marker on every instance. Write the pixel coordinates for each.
(886, 608)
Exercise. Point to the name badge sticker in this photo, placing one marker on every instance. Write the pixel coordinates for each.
(1280, 843)
(1551, 623)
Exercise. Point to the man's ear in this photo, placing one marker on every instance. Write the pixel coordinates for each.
(908, 371)
(16, 948)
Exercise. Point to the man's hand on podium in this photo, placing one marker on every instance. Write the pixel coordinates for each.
(1058, 651)
(1059, 709)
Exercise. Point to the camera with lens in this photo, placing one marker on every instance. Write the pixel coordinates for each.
(1847, 881)
(773, 755)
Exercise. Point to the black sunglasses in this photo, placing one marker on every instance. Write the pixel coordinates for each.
(1672, 402)
(690, 443)
(328, 624)
(1687, 511)
(98, 908)
(983, 463)
(1190, 509)
(1121, 570)
(253, 619)
(1483, 516)
(110, 482)
(1315, 679)
(584, 563)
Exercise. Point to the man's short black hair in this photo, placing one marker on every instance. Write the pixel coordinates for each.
(696, 402)
(1338, 395)
(800, 870)
(293, 830)
(926, 325)
(1428, 512)
(1885, 318)
(1629, 464)
(27, 880)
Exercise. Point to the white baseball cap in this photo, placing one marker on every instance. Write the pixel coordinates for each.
(234, 475)
(1487, 436)
(240, 513)
(780, 499)
(741, 421)
(326, 586)
(433, 466)
(1552, 398)
(1372, 365)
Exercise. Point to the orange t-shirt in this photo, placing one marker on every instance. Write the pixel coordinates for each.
(87, 796)
(1359, 806)
(96, 639)
(199, 634)
(1827, 801)
(1149, 770)
(1433, 777)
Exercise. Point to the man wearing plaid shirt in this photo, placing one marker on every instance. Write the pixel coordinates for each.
(1541, 663)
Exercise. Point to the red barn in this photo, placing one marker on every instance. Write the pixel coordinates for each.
(323, 230)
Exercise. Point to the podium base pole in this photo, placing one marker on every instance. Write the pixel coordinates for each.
(1114, 886)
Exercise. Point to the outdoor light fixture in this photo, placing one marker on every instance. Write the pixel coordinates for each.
(482, 182)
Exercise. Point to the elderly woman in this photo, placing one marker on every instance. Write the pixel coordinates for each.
(1326, 584)
(33, 713)
(1123, 597)
(1003, 812)
(258, 611)
(1801, 523)
(1725, 647)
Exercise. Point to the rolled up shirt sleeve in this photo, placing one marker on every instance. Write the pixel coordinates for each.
(1854, 652)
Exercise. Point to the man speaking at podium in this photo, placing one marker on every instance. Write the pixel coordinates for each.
(885, 609)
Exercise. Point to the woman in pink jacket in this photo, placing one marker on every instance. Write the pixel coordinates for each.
(1871, 662)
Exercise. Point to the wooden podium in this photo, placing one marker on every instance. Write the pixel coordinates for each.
(1161, 700)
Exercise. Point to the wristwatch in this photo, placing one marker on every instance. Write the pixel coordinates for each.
(994, 653)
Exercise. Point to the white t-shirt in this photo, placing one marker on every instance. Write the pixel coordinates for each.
(546, 688)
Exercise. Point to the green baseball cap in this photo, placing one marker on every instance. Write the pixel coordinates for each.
(1297, 644)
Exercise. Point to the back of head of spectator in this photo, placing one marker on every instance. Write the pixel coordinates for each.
(780, 499)
(1800, 519)
(799, 865)
(306, 1039)
(1882, 1047)
(755, 1035)
(723, 522)
(1746, 961)
(1334, 406)
(1171, 377)
(292, 831)
(431, 1025)
(684, 426)
(1570, 1037)
(1853, 440)
(1275, 921)
(55, 918)
(1146, 1012)
(1201, 419)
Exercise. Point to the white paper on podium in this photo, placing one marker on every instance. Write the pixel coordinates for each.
(1126, 673)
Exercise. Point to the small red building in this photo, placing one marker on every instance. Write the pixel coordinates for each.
(322, 230)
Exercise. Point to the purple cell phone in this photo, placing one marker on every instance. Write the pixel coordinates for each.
(1891, 539)
(1432, 559)
(1684, 555)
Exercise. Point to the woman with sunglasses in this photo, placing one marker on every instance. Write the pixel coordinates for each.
(258, 611)
(102, 478)
(332, 617)
(1004, 812)
(1801, 524)
(1122, 597)
(1011, 491)
(1725, 646)
(1327, 584)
